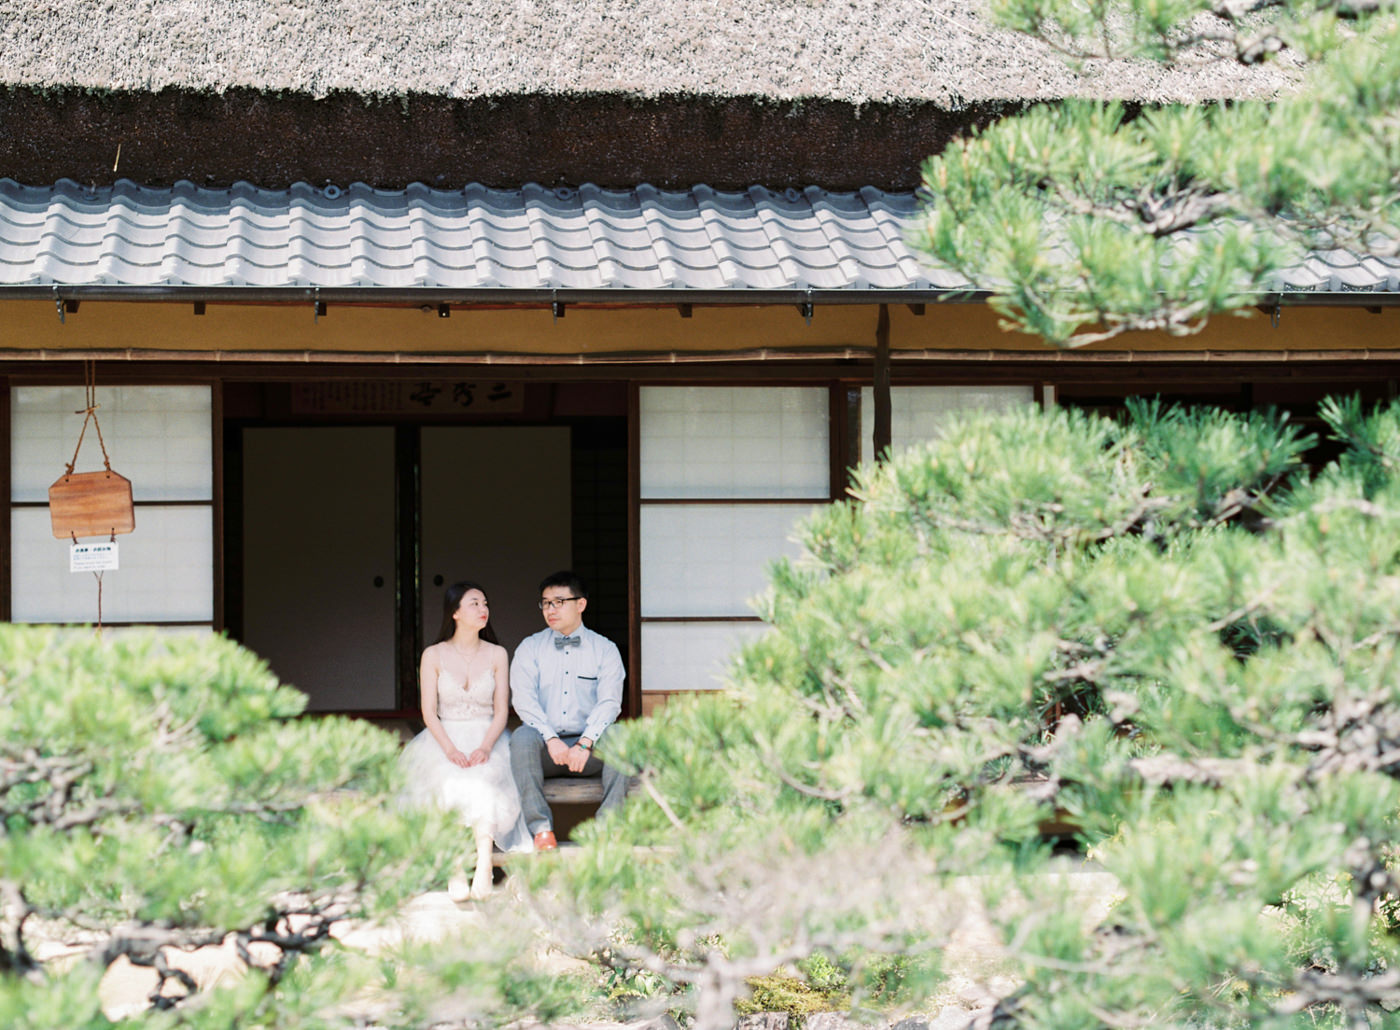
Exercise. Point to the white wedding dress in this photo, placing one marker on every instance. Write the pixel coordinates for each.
(484, 795)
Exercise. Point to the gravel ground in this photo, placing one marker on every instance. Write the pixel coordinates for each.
(976, 969)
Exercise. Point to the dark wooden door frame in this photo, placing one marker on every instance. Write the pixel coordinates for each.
(407, 606)
(5, 492)
(410, 590)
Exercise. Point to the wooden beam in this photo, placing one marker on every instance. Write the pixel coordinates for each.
(408, 613)
(632, 703)
(5, 494)
(838, 431)
(881, 435)
(585, 790)
(216, 462)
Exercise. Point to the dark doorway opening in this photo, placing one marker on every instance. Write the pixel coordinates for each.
(341, 531)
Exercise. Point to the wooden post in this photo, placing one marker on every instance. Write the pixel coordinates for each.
(881, 434)
(6, 498)
(634, 703)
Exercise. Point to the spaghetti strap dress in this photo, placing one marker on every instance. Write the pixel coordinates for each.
(484, 795)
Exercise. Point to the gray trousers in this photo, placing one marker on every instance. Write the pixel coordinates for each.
(531, 766)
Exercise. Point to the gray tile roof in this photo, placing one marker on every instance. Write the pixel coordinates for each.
(1338, 271)
(477, 238)
(486, 240)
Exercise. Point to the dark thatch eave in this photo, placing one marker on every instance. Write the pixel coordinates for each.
(504, 92)
(610, 140)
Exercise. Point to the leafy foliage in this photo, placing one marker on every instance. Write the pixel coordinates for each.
(159, 794)
(1163, 637)
(1164, 634)
(794, 995)
(1086, 220)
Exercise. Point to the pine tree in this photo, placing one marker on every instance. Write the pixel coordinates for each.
(1088, 219)
(158, 795)
(1165, 639)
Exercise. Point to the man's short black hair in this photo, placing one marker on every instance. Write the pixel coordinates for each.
(570, 581)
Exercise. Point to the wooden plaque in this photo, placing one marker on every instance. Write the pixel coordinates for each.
(91, 504)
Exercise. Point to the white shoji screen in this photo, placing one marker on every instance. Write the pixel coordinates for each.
(725, 473)
(734, 442)
(159, 437)
(690, 655)
(719, 552)
(918, 412)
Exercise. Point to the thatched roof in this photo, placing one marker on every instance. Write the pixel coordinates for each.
(853, 51)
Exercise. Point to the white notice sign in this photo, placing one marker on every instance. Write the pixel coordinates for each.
(93, 557)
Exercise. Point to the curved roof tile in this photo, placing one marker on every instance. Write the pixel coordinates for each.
(528, 239)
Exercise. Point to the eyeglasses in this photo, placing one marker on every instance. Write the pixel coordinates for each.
(553, 604)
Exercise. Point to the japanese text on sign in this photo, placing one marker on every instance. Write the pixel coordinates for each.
(92, 557)
(424, 396)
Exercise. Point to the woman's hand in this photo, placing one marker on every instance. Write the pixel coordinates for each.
(477, 757)
(457, 758)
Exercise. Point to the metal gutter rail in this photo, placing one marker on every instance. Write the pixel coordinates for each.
(613, 297)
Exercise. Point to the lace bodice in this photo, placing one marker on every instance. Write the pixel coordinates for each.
(458, 700)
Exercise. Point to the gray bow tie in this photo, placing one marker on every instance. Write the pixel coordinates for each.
(563, 642)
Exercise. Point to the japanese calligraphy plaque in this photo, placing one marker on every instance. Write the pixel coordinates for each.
(91, 504)
(430, 397)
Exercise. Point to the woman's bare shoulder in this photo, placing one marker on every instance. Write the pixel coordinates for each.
(496, 651)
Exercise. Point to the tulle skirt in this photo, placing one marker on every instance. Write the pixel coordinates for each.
(484, 796)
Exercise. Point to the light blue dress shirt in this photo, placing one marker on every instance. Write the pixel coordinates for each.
(569, 690)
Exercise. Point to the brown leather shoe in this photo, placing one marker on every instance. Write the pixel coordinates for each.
(544, 841)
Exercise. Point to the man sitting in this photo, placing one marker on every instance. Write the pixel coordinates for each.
(566, 686)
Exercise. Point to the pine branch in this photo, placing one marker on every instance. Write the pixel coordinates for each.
(15, 911)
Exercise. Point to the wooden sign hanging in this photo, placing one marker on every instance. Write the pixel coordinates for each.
(91, 504)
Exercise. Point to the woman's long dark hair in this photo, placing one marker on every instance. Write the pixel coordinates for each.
(451, 599)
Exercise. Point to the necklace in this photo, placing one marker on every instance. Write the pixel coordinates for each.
(469, 656)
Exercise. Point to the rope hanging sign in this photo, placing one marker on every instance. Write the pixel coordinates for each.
(91, 503)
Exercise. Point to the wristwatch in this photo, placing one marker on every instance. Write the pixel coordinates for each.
(586, 747)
